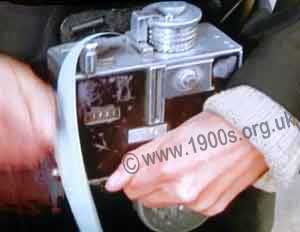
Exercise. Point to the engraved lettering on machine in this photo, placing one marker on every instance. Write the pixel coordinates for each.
(104, 114)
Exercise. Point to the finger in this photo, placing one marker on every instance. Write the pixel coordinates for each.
(216, 189)
(240, 185)
(122, 176)
(118, 179)
(159, 199)
(165, 195)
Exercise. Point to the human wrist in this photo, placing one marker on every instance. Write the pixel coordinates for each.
(245, 107)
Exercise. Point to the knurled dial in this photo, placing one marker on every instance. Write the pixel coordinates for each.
(188, 79)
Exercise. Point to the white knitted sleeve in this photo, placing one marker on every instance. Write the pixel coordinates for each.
(267, 125)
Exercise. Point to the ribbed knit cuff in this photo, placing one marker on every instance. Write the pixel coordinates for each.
(267, 125)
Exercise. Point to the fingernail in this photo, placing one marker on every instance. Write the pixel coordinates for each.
(113, 183)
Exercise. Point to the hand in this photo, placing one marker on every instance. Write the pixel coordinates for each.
(27, 116)
(205, 182)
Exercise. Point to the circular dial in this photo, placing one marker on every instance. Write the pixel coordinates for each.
(188, 79)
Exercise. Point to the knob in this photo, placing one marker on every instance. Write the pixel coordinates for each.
(188, 79)
(172, 9)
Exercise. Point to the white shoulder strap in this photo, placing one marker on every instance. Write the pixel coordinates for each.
(68, 152)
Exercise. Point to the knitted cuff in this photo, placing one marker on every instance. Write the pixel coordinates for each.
(267, 125)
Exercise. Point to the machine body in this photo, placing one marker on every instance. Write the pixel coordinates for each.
(134, 87)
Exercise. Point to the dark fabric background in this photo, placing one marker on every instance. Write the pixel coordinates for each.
(274, 66)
